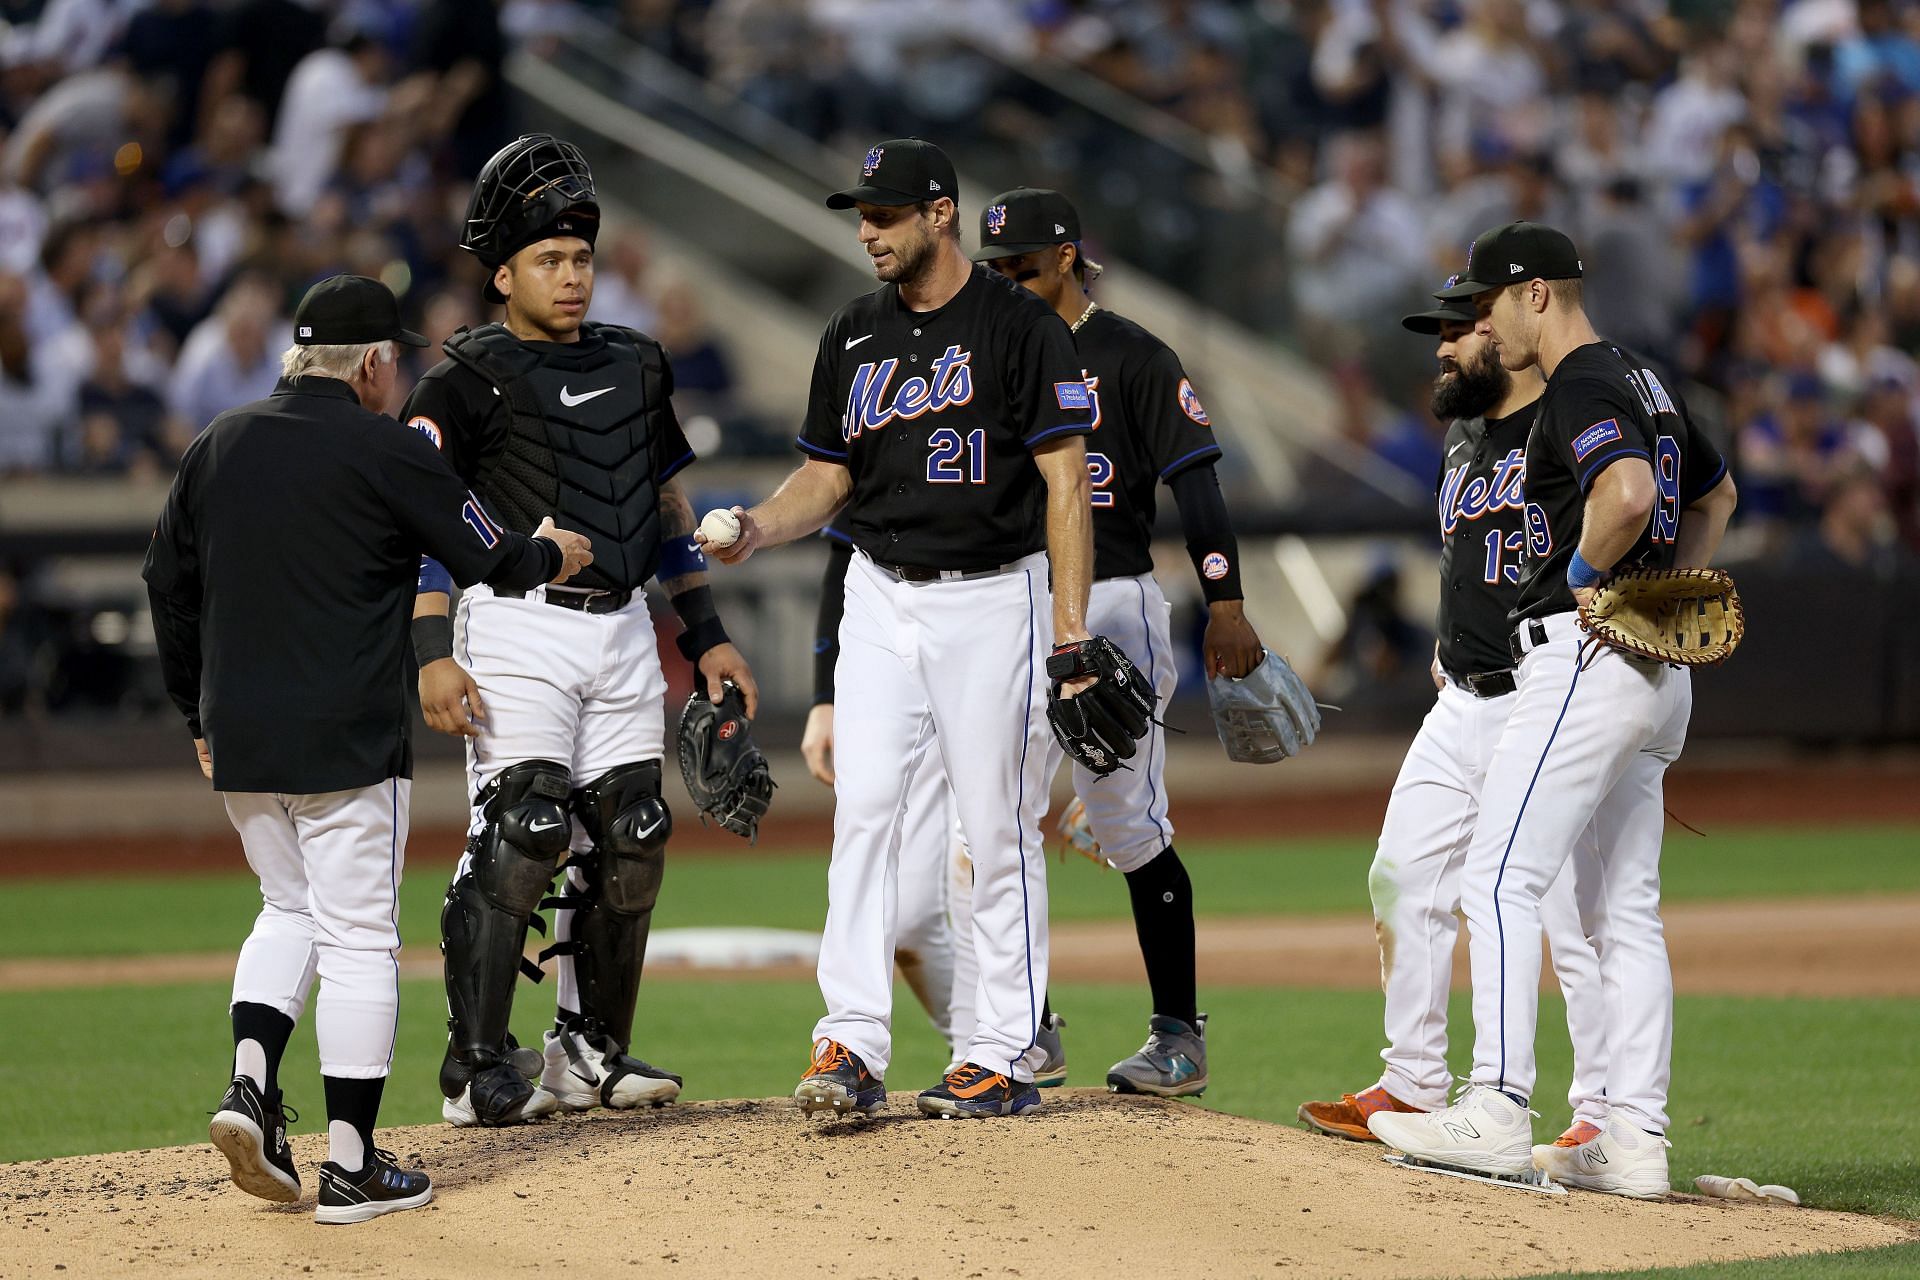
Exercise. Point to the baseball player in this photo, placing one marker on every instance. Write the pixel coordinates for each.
(1150, 428)
(281, 572)
(1415, 877)
(1617, 475)
(947, 418)
(558, 691)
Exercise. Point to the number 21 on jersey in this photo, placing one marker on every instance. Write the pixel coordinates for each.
(953, 460)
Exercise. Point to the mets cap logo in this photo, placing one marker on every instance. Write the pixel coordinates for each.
(872, 161)
(1452, 280)
(996, 219)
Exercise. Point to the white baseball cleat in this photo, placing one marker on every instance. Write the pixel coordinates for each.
(581, 1074)
(1483, 1132)
(1614, 1158)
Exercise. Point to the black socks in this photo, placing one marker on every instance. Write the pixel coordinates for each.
(1163, 918)
(269, 1030)
(352, 1108)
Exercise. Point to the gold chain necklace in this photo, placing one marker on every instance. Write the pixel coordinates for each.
(1091, 308)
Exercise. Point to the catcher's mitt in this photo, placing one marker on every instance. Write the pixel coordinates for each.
(1685, 617)
(725, 773)
(1265, 716)
(1098, 726)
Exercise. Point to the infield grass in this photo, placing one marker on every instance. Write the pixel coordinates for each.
(1756, 1081)
(1896, 1262)
(202, 912)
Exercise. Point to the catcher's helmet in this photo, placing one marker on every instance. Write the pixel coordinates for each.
(534, 187)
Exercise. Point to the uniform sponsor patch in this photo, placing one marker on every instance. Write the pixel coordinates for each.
(427, 427)
(1214, 567)
(1594, 436)
(1072, 395)
(1191, 406)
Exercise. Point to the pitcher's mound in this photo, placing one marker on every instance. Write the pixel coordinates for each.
(1092, 1186)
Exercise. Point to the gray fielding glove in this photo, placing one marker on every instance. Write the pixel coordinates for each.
(1265, 717)
(725, 773)
(1100, 725)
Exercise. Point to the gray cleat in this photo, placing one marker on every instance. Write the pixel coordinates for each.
(1054, 1070)
(1172, 1064)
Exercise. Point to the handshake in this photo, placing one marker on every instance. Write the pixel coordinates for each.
(576, 552)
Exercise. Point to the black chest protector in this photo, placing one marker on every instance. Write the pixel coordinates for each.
(580, 446)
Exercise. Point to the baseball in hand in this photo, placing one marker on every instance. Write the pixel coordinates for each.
(721, 528)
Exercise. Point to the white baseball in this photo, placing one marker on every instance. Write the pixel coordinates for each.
(721, 528)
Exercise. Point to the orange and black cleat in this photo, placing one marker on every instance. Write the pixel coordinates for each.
(1347, 1118)
(838, 1081)
(975, 1092)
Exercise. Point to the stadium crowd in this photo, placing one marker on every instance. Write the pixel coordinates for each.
(1744, 176)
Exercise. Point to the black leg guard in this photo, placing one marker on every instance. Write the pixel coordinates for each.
(628, 822)
(483, 930)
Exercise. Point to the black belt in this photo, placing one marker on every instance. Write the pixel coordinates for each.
(1490, 684)
(920, 573)
(581, 601)
(1535, 629)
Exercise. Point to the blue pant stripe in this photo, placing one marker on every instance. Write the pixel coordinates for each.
(1500, 925)
(1019, 825)
(1153, 788)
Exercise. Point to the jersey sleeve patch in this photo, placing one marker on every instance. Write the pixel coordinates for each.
(485, 529)
(1072, 395)
(429, 428)
(1605, 432)
(1191, 406)
(1214, 567)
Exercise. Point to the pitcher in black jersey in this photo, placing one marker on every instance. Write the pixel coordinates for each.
(1617, 475)
(1150, 428)
(1415, 877)
(945, 426)
(558, 690)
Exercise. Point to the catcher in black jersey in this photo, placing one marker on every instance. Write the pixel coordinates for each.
(558, 690)
(1149, 428)
(1617, 476)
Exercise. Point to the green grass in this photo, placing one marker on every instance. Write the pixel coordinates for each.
(1896, 1262)
(142, 915)
(1755, 1080)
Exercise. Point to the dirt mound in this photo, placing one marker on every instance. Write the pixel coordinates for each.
(1088, 1187)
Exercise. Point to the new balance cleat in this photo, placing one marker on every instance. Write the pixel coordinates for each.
(1616, 1159)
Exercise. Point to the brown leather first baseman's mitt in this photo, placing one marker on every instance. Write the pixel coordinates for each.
(725, 773)
(1686, 617)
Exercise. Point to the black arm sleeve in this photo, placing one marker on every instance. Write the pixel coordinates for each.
(433, 507)
(833, 606)
(1209, 533)
(172, 573)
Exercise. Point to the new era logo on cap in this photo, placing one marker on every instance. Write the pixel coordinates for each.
(306, 331)
(1515, 268)
(932, 185)
(1059, 230)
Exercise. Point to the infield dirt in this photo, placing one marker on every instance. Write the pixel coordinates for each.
(1091, 1186)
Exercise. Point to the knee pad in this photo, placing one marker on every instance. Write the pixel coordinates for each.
(628, 823)
(526, 834)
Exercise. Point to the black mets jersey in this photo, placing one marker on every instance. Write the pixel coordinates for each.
(1483, 539)
(1602, 405)
(1148, 427)
(934, 414)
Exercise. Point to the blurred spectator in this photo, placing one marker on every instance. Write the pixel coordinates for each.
(620, 293)
(1879, 55)
(232, 356)
(1355, 245)
(1889, 432)
(123, 425)
(1689, 116)
(35, 398)
(1788, 458)
(260, 43)
(331, 90)
(175, 41)
(700, 365)
(1856, 533)
(461, 43)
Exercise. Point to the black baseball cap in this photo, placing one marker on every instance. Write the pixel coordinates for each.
(1512, 253)
(1024, 219)
(900, 171)
(345, 311)
(1454, 310)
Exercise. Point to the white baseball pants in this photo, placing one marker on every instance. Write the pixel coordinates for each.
(584, 689)
(953, 671)
(1415, 885)
(329, 867)
(1588, 741)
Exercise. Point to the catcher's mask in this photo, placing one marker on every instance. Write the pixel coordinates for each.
(535, 187)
